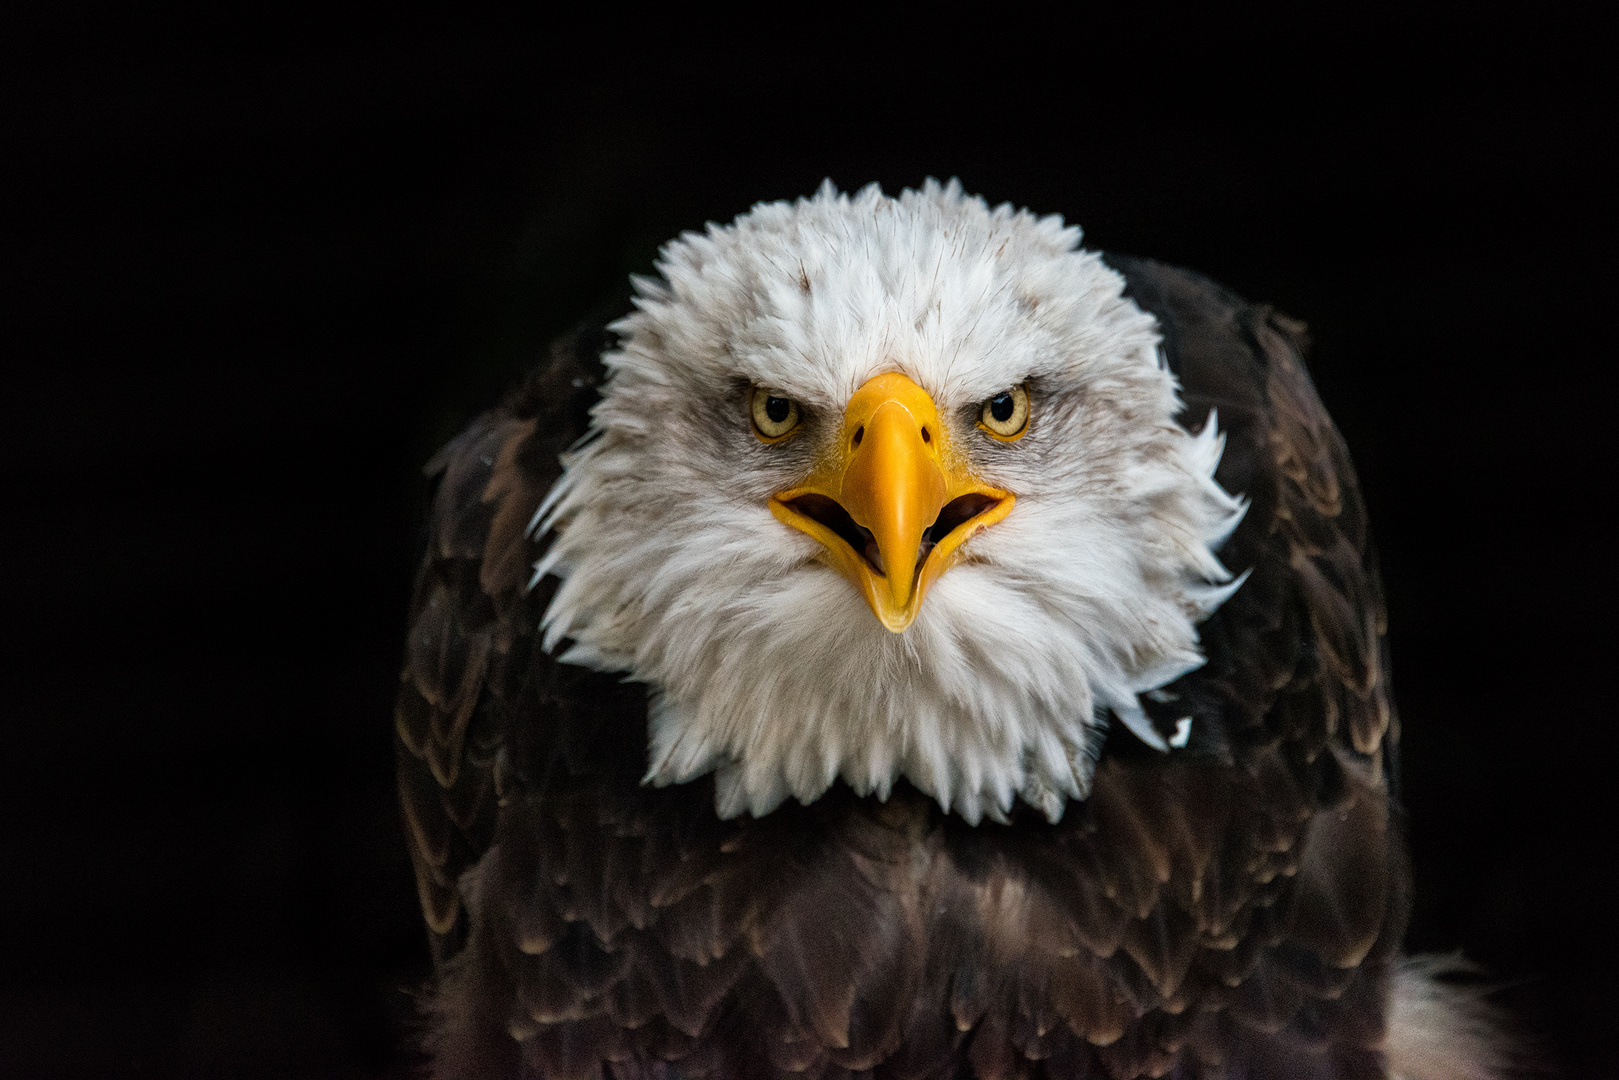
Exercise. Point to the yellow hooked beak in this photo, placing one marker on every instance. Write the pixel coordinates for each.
(891, 505)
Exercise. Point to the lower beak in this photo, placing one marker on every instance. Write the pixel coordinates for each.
(892, 506)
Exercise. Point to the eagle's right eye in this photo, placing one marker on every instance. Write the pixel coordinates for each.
(774, 415)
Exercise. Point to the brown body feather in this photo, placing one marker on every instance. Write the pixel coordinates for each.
(1231, 909)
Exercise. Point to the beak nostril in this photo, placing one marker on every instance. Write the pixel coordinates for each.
(927, 436)
(859, 433)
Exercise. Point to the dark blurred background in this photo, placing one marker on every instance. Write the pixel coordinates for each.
(256, 269)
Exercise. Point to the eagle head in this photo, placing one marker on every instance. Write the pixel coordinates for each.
(886, 488)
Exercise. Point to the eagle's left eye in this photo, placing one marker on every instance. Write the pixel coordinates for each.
(1006, 415)
(774, 415)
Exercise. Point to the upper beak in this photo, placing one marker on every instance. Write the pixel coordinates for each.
(892, 504)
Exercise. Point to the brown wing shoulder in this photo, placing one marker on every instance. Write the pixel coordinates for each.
(1298, 653)
(472, 622)
(1294, 697)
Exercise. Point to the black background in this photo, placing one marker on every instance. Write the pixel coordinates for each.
(257, 269)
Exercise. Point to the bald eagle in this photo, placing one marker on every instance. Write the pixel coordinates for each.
(913, 646)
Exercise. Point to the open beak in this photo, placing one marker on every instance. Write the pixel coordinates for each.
(891, 505)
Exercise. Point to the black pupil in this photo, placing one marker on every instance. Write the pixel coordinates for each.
(1000, 407)
(777, 407)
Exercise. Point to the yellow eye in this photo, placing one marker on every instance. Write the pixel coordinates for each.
(774, 416)
(1006, 415)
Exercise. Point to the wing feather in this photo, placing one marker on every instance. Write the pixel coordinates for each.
(470, 609)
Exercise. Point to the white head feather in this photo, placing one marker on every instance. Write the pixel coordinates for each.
(766, 664)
